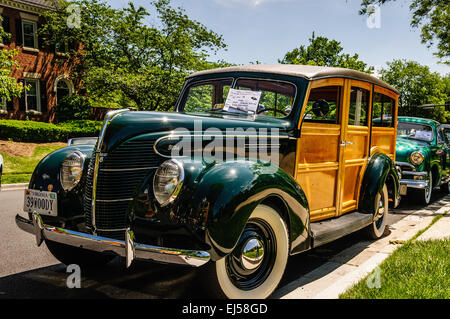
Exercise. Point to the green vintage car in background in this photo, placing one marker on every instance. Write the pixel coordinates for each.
(422, 157)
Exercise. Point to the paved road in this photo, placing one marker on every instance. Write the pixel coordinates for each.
(27, 271)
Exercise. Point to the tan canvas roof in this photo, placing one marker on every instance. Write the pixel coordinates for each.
(308, 72)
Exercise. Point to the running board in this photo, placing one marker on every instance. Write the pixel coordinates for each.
(326, 231)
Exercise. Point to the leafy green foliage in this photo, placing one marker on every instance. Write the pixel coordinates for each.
(129, 62)
(30, 131)
(72, 107)
(324, 52)
(9, 87)
(433, 18)
(418, 86)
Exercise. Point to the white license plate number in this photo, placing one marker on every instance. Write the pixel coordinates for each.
(44, 203)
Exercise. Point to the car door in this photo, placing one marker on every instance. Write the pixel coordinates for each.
(318, 149)
(355, 140)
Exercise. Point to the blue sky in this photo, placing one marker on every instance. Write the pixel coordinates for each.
(265, 30)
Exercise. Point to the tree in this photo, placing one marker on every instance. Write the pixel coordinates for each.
(9, 87)
(433, 18)
(123, 61)
(324, 52)
(418, 86)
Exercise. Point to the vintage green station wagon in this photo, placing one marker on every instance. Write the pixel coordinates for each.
(255, 164)
(422, 156)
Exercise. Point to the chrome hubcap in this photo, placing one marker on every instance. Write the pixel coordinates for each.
(252, 254)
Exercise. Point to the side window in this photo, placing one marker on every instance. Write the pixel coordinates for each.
(383, 107)
(359, 106)
(206, 95)
(331, 94)
(440, 136)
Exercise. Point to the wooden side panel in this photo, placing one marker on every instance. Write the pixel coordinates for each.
(318, 167)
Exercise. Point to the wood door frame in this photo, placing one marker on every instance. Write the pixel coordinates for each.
(326, 128)
(344, 207)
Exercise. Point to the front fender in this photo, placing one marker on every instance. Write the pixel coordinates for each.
(47, 172)
(220, 197)
(380, 170)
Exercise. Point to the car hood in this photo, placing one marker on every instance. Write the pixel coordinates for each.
(404, 148)
(129, 124)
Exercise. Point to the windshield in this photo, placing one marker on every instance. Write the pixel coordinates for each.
(415, 131)
(270, 98)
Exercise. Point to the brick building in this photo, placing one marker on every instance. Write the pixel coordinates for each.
(48, 79)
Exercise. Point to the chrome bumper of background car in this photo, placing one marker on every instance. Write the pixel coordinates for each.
(128, 248)
(421, 184)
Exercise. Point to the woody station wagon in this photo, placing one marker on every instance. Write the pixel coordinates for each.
(155, 188)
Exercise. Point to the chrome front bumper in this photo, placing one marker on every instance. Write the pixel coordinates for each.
(128, 248)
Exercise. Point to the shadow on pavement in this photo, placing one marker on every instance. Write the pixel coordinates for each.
(150, 280)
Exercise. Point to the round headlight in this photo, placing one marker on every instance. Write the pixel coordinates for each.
(71, 170)
(417, 158)
(167, 181)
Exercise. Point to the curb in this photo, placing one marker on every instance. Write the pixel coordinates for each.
(14, 187)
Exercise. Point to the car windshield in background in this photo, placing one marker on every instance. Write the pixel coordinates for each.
(415, 131)
(276, 97)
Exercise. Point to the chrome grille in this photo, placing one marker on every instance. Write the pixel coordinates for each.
(119, 175)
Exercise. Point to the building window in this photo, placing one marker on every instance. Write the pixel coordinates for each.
(63, 86)
(29, 33)
(3, 105)
(32, 96)
(62, 90)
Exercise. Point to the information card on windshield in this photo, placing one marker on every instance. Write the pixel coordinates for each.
(242, 101)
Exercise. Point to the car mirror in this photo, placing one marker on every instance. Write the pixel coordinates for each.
(320, 108)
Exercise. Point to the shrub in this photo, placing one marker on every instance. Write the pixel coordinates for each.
(39, 132)
(72, 107)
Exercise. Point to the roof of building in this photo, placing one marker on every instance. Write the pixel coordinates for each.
(45, 4)
(308, 72)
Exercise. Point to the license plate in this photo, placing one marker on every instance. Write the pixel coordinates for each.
(44, 203)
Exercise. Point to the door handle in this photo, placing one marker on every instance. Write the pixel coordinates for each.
(345, 143)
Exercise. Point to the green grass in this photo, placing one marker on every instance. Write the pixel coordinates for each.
(18, 169)
(417, 270)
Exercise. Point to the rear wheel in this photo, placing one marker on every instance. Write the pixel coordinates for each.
(73, 255)
(378, 226)
(256, 265)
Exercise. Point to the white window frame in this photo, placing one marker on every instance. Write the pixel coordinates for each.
(36, 44)
(38, 96)
(3, 107)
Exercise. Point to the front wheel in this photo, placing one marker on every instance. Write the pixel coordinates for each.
(425, 194)
(378, 226)
(255, 267)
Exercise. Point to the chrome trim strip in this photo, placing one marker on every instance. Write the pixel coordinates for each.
(422, 174)
(126, 169)
(405, 164)
(98, 154)
(94, 192)
(113, 200)
(128, 248)
(178, 136)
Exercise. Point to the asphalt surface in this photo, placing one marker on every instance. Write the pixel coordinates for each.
(27, 271)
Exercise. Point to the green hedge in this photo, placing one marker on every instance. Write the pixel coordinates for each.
(39, 132)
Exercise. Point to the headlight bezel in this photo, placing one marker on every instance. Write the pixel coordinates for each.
(62, 177)
(417, 158)
(170, 197)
